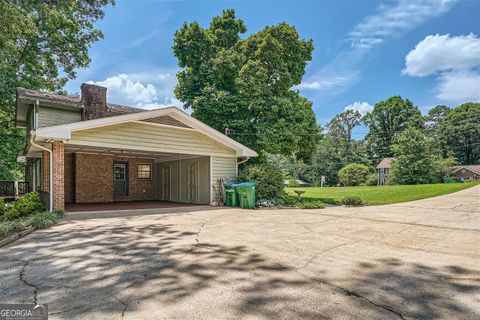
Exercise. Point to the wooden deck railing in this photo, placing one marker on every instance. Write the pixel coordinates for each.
(13, 189)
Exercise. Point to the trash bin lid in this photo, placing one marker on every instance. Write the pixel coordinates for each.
(246, 184)
(230, 185)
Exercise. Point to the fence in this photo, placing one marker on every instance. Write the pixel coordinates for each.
(13, 189)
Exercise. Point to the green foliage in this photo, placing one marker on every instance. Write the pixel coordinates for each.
(372, 180)
(387, 120)
(315, 204)
(415, 163)
(8, 227)
(245, 84)
(354, 174)
(352, 201)
(268, 178)
(42, 45)
(43, 220)
(25, 206)
(2, 205)
(460, 130)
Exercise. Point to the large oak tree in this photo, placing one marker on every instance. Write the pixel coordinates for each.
(245, 84)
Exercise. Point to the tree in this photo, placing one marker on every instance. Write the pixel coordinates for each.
(461, 132)
(42, 43)
(245, 84)
(388, 119)
(269, 180)
(415, 163)
(354, 174)
(342, 125)
(435, 118)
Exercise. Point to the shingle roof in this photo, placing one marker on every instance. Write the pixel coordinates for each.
(64, 100)
(474, 167)
(70, 101)
(385, 163)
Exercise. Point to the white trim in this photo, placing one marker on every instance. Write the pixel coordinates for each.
(162, 125)
(211, 183)
(64, 131)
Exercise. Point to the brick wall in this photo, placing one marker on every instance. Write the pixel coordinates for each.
(46, 171)
(58, 175)
(94, 179)
(138, 189)
(69, 178)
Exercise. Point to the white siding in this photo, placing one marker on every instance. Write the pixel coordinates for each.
(222, 167)
(144, 137)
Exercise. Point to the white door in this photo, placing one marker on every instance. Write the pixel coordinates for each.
(165, 189)
(192, 183)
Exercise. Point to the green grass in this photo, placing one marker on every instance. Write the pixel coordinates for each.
(374, 195)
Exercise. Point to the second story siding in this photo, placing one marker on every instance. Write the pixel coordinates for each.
(51, 116)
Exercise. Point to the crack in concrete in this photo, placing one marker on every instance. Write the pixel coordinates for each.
(32, 285)
(322, 252)
(125, 305)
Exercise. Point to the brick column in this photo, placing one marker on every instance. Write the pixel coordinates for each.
(46, 171)
(58, 175)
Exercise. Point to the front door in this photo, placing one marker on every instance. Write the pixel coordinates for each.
(192, 183)
(165, 188)
(120, 179)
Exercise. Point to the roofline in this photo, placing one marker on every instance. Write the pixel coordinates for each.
(466, 168)
(64, 131)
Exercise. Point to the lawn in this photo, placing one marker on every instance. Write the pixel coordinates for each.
(377, 195)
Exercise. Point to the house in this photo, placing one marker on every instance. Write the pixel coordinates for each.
(86, 150)
(467, 172)
(383, 170)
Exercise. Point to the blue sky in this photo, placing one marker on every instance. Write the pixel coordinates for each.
(365, 51)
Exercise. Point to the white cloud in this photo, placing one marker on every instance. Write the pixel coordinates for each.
(142, 90)
(394, 20)
(388, 21)
(454, 60)
(362, 107)
(459, 87)
(438, 53)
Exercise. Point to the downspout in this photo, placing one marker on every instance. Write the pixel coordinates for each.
(50, 187)
(243, 161)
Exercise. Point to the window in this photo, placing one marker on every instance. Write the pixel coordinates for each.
(144, 171)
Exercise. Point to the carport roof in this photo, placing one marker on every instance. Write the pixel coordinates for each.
(64, 131)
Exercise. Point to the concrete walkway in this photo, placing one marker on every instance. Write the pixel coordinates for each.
(411, 260)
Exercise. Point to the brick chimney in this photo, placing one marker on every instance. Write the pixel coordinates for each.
(94, 100)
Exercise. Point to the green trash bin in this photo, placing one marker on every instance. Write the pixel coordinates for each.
(231, 195)
(246, 194)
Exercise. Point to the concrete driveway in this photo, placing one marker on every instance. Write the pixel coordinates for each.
(412, 260)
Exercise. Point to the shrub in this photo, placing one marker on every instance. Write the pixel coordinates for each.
(25, 206)
(372, 180)
(8, 227)
(316, 204)
(352, 201)
(354, 174)
(270, 203)
(269, 180)
(43, 220)
(2, 205)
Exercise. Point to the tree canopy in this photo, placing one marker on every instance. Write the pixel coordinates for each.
(388, 119)
(42, 43)
(244, 84)
(460, 129)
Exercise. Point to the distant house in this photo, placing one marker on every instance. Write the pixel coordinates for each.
(383, 170)
(467, 172)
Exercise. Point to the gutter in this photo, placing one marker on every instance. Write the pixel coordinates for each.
(32, 142)
(243, 161)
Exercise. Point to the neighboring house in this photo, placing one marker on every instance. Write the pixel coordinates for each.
(383, 170)
(467, 172)
(85, 150)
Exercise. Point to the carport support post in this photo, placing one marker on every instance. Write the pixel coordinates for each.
(58, 175)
